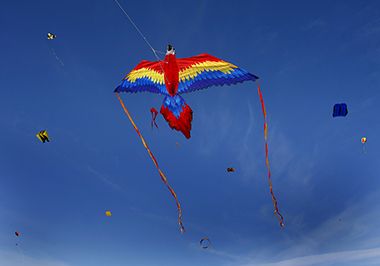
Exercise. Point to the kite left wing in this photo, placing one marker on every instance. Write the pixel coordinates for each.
(146, 76)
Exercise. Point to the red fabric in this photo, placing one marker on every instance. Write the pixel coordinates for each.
(182, 123)
(184, 63)
(154, 116)
(171, 66)
(155, 65)
(171, 74)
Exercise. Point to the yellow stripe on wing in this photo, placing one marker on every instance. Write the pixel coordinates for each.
(193, 70)
(145, 73)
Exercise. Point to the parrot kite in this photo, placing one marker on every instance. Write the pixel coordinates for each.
(175, 76)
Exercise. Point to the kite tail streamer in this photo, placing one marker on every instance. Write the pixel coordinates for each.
(162, 175)
(274, 200)
(154, 113)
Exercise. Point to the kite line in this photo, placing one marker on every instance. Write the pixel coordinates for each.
(144, 38)
(138, 30)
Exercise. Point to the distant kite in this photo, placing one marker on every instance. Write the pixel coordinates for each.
(340, 109)
(230, 169)
(17, 234)
(364, 141)
(205, 243)
(43, 136)
(51, 36)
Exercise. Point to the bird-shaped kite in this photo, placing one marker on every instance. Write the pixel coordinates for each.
(175, 76)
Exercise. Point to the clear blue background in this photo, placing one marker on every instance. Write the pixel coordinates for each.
(309, 56)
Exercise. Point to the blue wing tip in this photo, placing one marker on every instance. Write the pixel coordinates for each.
(254, 77)
(118, 89)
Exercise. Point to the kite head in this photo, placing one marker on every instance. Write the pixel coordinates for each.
(170, 49)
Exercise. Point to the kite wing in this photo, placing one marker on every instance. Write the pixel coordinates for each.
(204, 70)
(146, 76)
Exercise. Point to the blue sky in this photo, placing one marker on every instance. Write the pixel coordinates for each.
(309, 56)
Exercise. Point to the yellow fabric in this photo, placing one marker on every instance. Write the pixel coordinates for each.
(145, 73)
(193, 70)
(40, 135)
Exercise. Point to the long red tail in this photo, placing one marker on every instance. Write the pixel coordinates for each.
(162, 175)
(274, 200)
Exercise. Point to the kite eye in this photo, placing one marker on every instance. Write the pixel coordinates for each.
(170, 47)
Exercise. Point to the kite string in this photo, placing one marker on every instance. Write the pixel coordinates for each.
(137, 29)
(144, 38)
(21, 252)
(274, 200)
(52, 51)
(162, 175)
(57, 58)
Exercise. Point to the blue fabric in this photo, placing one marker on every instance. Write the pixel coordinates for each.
(174, 104)
(215, 78)
(340, 109)
(140, 85)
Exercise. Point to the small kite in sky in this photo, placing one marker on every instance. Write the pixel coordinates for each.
(17, 233)
(340, 109)
(205, 243)
(364, 141)
(43, 136)
(230, 169)
(173, 77)
(51, 36)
